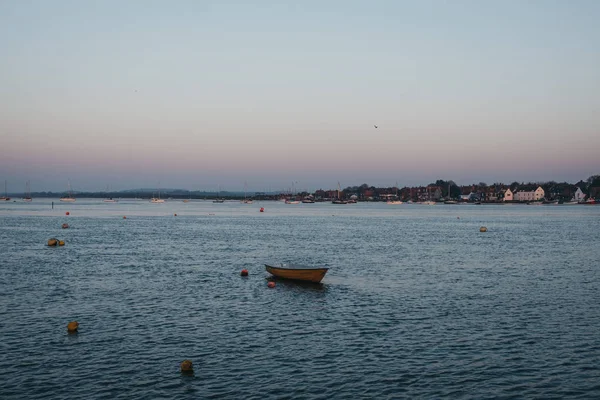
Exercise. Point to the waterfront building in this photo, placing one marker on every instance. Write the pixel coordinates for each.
(578, 195)
(529, 195)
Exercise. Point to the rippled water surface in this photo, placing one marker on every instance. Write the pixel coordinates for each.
(417, 302)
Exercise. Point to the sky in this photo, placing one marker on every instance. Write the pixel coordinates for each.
(269, 94)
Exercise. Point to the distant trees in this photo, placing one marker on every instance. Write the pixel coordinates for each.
(593, 181)
(358, 189)
(449, 188)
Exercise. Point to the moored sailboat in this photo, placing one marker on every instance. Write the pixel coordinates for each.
(219, 199)
(157, 199)
(396, 200)
(109, 199)
(339, 200)
(5, 197)
(246, 200)
(27, 196)
(69, 197)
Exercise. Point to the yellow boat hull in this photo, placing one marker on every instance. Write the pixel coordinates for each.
(297, 273)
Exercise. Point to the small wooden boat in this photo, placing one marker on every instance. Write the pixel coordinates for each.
(297, 272)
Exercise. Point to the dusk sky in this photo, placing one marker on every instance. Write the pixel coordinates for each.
(197, 94)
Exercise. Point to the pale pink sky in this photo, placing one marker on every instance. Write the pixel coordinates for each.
(193, 96)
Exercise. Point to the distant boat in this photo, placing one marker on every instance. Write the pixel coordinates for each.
(396, 201)
(5, 197)
(428, 203)
(296, 272)
(69, 197)
(550, 202)
(450, 201)
(157, 199)
(246, 200)
(292, 202)
(218, 199)
(109, 199)
(339, 200)
(308, 200)
(570, 203)
(27, 196)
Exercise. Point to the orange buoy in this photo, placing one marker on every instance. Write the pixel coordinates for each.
(244, 272)
(65, 226)
(271, 284)
(61, 242)
(262, 209)
(174, 215)
(67, 213)
(72, 326)
(483, 229)
(124, 217)
(52, 242)
(186, 366)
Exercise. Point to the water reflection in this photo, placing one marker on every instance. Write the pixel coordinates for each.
(299, 286)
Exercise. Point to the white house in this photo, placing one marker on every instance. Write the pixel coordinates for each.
(508, 195)
(533, 195)
(578, 196)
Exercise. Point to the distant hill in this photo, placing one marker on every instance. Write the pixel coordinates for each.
(144, 190)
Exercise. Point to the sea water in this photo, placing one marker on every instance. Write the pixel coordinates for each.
(417, 302)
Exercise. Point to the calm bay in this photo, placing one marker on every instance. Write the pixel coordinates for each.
(417, 302)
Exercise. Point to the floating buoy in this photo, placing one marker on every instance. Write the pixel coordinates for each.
(186, 366)
(61, 242)
(65, 226)
(174, 215)
(483, 229)
(271, 284)
(124, 217)
(262, 209)
(52, 242)
(72, 326)
(67, 213)
(244, 272)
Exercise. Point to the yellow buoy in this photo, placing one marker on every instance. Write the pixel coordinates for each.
(72, 326)
(186, 366)
(483, 229)
(61, 242)
(52, 242)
